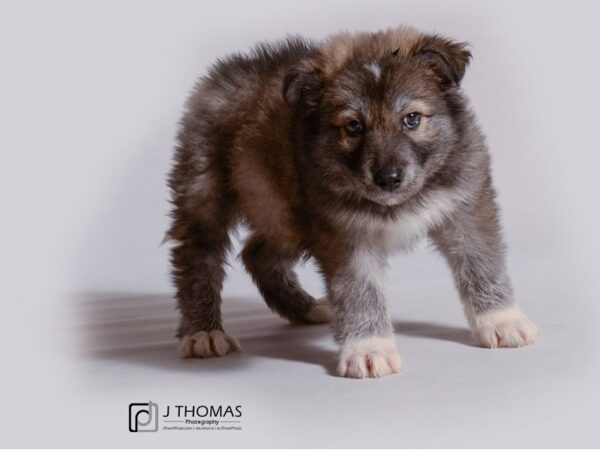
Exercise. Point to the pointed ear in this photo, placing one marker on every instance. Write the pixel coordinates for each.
(447, 60)
(302, 85)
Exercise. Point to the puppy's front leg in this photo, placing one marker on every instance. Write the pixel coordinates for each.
(361, 321)
(472, 243)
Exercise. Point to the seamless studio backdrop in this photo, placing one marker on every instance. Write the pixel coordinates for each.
(91, 93)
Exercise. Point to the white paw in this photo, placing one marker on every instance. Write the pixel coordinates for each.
(369, 358)
(504, 328)
(320, 313)
(205, 344)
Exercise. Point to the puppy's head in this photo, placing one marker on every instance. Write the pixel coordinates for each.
(379, 111)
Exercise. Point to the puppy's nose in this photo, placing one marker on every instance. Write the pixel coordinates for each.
(389, 178)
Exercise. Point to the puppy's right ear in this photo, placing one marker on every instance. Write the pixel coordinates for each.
(302, 85)
(446, 59)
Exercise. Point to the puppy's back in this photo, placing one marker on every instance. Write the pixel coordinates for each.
(237, 80)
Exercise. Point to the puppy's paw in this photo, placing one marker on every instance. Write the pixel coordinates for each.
(320, 312)
(371, 357)
(205, 344)
(504, 328)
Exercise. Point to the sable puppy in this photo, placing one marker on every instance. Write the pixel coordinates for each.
(343, 151)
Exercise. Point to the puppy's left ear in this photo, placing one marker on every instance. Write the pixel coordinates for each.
(446, 59)
(302, 85)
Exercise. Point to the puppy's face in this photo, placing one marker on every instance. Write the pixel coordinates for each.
(379, 128)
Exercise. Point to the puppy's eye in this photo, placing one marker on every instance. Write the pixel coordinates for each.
(353, 128)
(412, 120)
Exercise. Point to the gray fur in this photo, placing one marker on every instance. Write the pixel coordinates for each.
(359, 305)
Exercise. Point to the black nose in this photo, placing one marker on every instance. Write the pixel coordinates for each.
(389, 178)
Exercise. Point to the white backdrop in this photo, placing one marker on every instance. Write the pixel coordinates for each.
(90, 96)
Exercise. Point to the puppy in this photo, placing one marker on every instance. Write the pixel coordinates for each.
(343, 151)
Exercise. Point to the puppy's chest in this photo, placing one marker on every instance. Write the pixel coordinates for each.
(412, 225)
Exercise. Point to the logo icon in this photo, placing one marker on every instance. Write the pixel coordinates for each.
(143, 417)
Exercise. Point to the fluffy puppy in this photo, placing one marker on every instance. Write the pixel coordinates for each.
(344, 151)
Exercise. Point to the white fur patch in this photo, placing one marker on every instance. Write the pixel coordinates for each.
(503, 328)
(208, 344)
(320, 313)
(371, 357)
(367, 265)
(412, 225)
(408, 227)
(375, 69)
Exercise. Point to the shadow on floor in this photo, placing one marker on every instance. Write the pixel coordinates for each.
(139, 329)
(434, 331)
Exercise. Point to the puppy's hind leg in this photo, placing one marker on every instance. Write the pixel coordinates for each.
(201, 230)
(272, 270)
